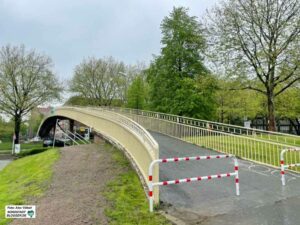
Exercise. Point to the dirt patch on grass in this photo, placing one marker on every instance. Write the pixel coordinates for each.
(74, 196)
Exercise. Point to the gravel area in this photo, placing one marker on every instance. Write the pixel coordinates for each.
(74, 196)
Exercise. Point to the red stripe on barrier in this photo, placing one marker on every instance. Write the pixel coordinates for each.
(165, 183)
(218, 157)
(164, 160)
(150, 193)
(150, 178)
(228, 174)
(198, 158)
(208, 177)
(207, 157)
(219, 176)
(282, 172)
(236, 168)
(176, 181)
(199, 178)
(188, 180)
(187, 158)
(236, 180)
(281, 162)
(175, 159)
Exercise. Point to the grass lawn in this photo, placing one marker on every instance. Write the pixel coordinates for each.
(127, 201)
(246, 148)
(6, 147)
(295, 141)
(24, 179)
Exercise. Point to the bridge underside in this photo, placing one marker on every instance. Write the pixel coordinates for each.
(48, 125)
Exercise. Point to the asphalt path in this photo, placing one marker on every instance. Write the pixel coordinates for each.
(262, 200)
(4, 163)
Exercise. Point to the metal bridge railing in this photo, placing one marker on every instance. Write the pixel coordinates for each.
(244, 146)
(226, 128)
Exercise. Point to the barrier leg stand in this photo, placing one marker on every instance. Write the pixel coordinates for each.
(282, 172)
(151, 197)
(237, 184)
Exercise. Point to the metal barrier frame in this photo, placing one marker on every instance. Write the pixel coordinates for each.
(283, 167)
(186, 180)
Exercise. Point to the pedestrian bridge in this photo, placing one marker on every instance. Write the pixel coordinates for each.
(145, 137)
(136, 141)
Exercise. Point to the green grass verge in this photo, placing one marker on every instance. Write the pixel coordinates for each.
(7, 146)
(25, 179)
(294, 141)
(127, 201)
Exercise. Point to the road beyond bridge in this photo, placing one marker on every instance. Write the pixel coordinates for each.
(263, 199)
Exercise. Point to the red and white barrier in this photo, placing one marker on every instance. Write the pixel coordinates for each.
(187, 180)
(283, 166)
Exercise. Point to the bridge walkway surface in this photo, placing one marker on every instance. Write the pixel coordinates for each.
(262, 201)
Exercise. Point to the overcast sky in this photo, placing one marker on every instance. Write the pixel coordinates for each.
(69, 30)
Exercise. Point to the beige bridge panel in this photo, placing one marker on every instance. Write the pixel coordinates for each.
(124, 132)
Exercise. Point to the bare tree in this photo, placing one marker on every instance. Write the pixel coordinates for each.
(99, 79)
(259, 40)
(26, 81)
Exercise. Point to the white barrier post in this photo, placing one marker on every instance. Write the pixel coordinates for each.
(283, 166)
(186, 180)
(237, 182)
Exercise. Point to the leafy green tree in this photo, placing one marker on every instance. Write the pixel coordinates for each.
(26, 81)
(78, 100)
(259, 40)
(137, 94)
(101, 80)
(179, 81)
(34, 122)
(6, 130)
(236, 105)
(288, 107)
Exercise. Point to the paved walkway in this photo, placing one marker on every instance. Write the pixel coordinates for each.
(263, 201)
(4, 163)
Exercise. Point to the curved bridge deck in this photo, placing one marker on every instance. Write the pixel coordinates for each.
(262, 201)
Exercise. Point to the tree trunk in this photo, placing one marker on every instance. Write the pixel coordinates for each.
(296, 125)
(271, 112)
(18, 121)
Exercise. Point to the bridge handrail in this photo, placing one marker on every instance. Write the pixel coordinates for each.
(205, 123)
(125, 122)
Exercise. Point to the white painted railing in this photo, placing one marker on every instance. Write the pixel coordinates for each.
(226, 128)
(245, 146)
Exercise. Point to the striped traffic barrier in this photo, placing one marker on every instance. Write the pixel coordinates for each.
(192, 179)
(283, 166)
